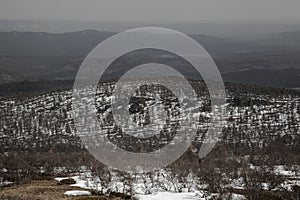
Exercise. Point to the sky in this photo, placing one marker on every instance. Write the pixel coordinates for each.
(149, 10)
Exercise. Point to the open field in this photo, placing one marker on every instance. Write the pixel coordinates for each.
(46, 189)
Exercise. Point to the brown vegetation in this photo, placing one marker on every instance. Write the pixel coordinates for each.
(46, 190)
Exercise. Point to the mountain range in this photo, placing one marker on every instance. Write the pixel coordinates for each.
(272, 61)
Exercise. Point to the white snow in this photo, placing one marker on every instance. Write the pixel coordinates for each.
(143, 185)
(77, 193)
(282, 170)
(238, 197)
(61, 178)
(5, 183)
(169, 195)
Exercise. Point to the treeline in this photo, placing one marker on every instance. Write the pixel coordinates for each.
(45, 86)
(34, 87)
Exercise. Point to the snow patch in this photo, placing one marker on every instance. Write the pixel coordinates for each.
(77, 193)
(170, 195)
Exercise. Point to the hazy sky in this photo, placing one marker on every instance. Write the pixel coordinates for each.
(150, 10)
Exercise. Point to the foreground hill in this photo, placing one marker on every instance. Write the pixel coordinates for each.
(38, 139)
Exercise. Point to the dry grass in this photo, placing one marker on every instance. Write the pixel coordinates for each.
(42, 190)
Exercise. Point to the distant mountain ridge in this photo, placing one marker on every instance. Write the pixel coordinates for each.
(49, 44)
(80, 43)
(286, 38)
(52, 56)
